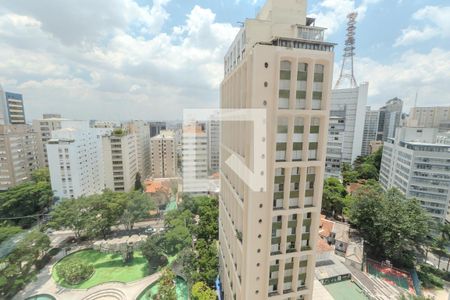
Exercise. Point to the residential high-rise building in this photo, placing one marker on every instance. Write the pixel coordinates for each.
(346, 128)
(428, 117)
(17, 155)
(164, 156)
(120, 160)
(43, 129)
(279, 62)
(141, 131)
(213, 133)
(156, 127)
(419, 166)
(75, 160)
(389, 119)
(195, 160)
(11, 108)
(370, 130)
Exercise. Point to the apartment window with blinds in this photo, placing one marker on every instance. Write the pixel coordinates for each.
(285, 85)
(302, 76)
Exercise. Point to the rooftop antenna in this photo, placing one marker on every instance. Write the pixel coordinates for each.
(347, 72)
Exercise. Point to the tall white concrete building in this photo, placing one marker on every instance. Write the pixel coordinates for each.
(213, 133)
(141, 131)
(418, 165)
(279, 62)
(164, 155)
(43, 128)
(120, 160)
(428, 117)
(18, 155)
(195, 160)
(346, 128)
(370, 130)
(75, 160)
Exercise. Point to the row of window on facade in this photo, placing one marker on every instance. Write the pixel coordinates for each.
(286, 76)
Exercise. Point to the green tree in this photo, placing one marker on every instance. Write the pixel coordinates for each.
(74, 271)
(8, 231)
(70, 214)
(31, 198)
(41, 175)
(367, 171)
(392, 226)
(207, 262)
(187, 258)
(152, 249)
(19, 267)
(137, 208)
(138, 183)
(333, 197)
(349, 177)
(167, 288)
(201, 291)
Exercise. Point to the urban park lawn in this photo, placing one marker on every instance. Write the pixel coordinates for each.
(108, 267)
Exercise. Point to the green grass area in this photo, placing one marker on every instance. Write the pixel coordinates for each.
(108, 267)
(345, 290)
(152, 290)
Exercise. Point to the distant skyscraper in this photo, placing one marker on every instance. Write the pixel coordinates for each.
(120, 160)
(43, 129)
(156, 127)
(346, 128)
(11, 108)
(213, 133)
(18, 158)
(164, 156)
(370, 130)
(75, 160)
(280, 62)
(389, 120)
(419, 166)
(195, 160)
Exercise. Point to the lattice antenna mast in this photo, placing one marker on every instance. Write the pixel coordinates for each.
(347, 72)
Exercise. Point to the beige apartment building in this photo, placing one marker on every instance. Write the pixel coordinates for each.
(43, 129)
(141, 131)
(119, 160)
(17, 155)
(279, 62)
(163, 155)
(428, 117)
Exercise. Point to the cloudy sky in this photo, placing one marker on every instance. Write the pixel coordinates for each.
(149, 59)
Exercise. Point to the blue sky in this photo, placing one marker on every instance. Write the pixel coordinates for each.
(91, 59)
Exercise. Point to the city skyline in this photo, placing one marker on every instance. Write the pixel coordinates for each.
(162, 56)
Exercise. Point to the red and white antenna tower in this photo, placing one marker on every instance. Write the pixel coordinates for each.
(347, 72)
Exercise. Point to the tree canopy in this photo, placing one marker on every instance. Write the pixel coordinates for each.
(333, 198)
(392, 226)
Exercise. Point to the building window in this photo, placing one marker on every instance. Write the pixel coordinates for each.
(284, 85)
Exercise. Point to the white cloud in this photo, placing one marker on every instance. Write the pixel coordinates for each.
(426, 73)
(437, 24)
(113, 73)
(332, 14)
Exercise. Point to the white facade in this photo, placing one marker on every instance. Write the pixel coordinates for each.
(279, 62)
(141, 131)
(346, 128)
(43, 129)
(195, 160)
(420, 168)
(370, 130)
(213, 132)
(75, 160)
(120, 160)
